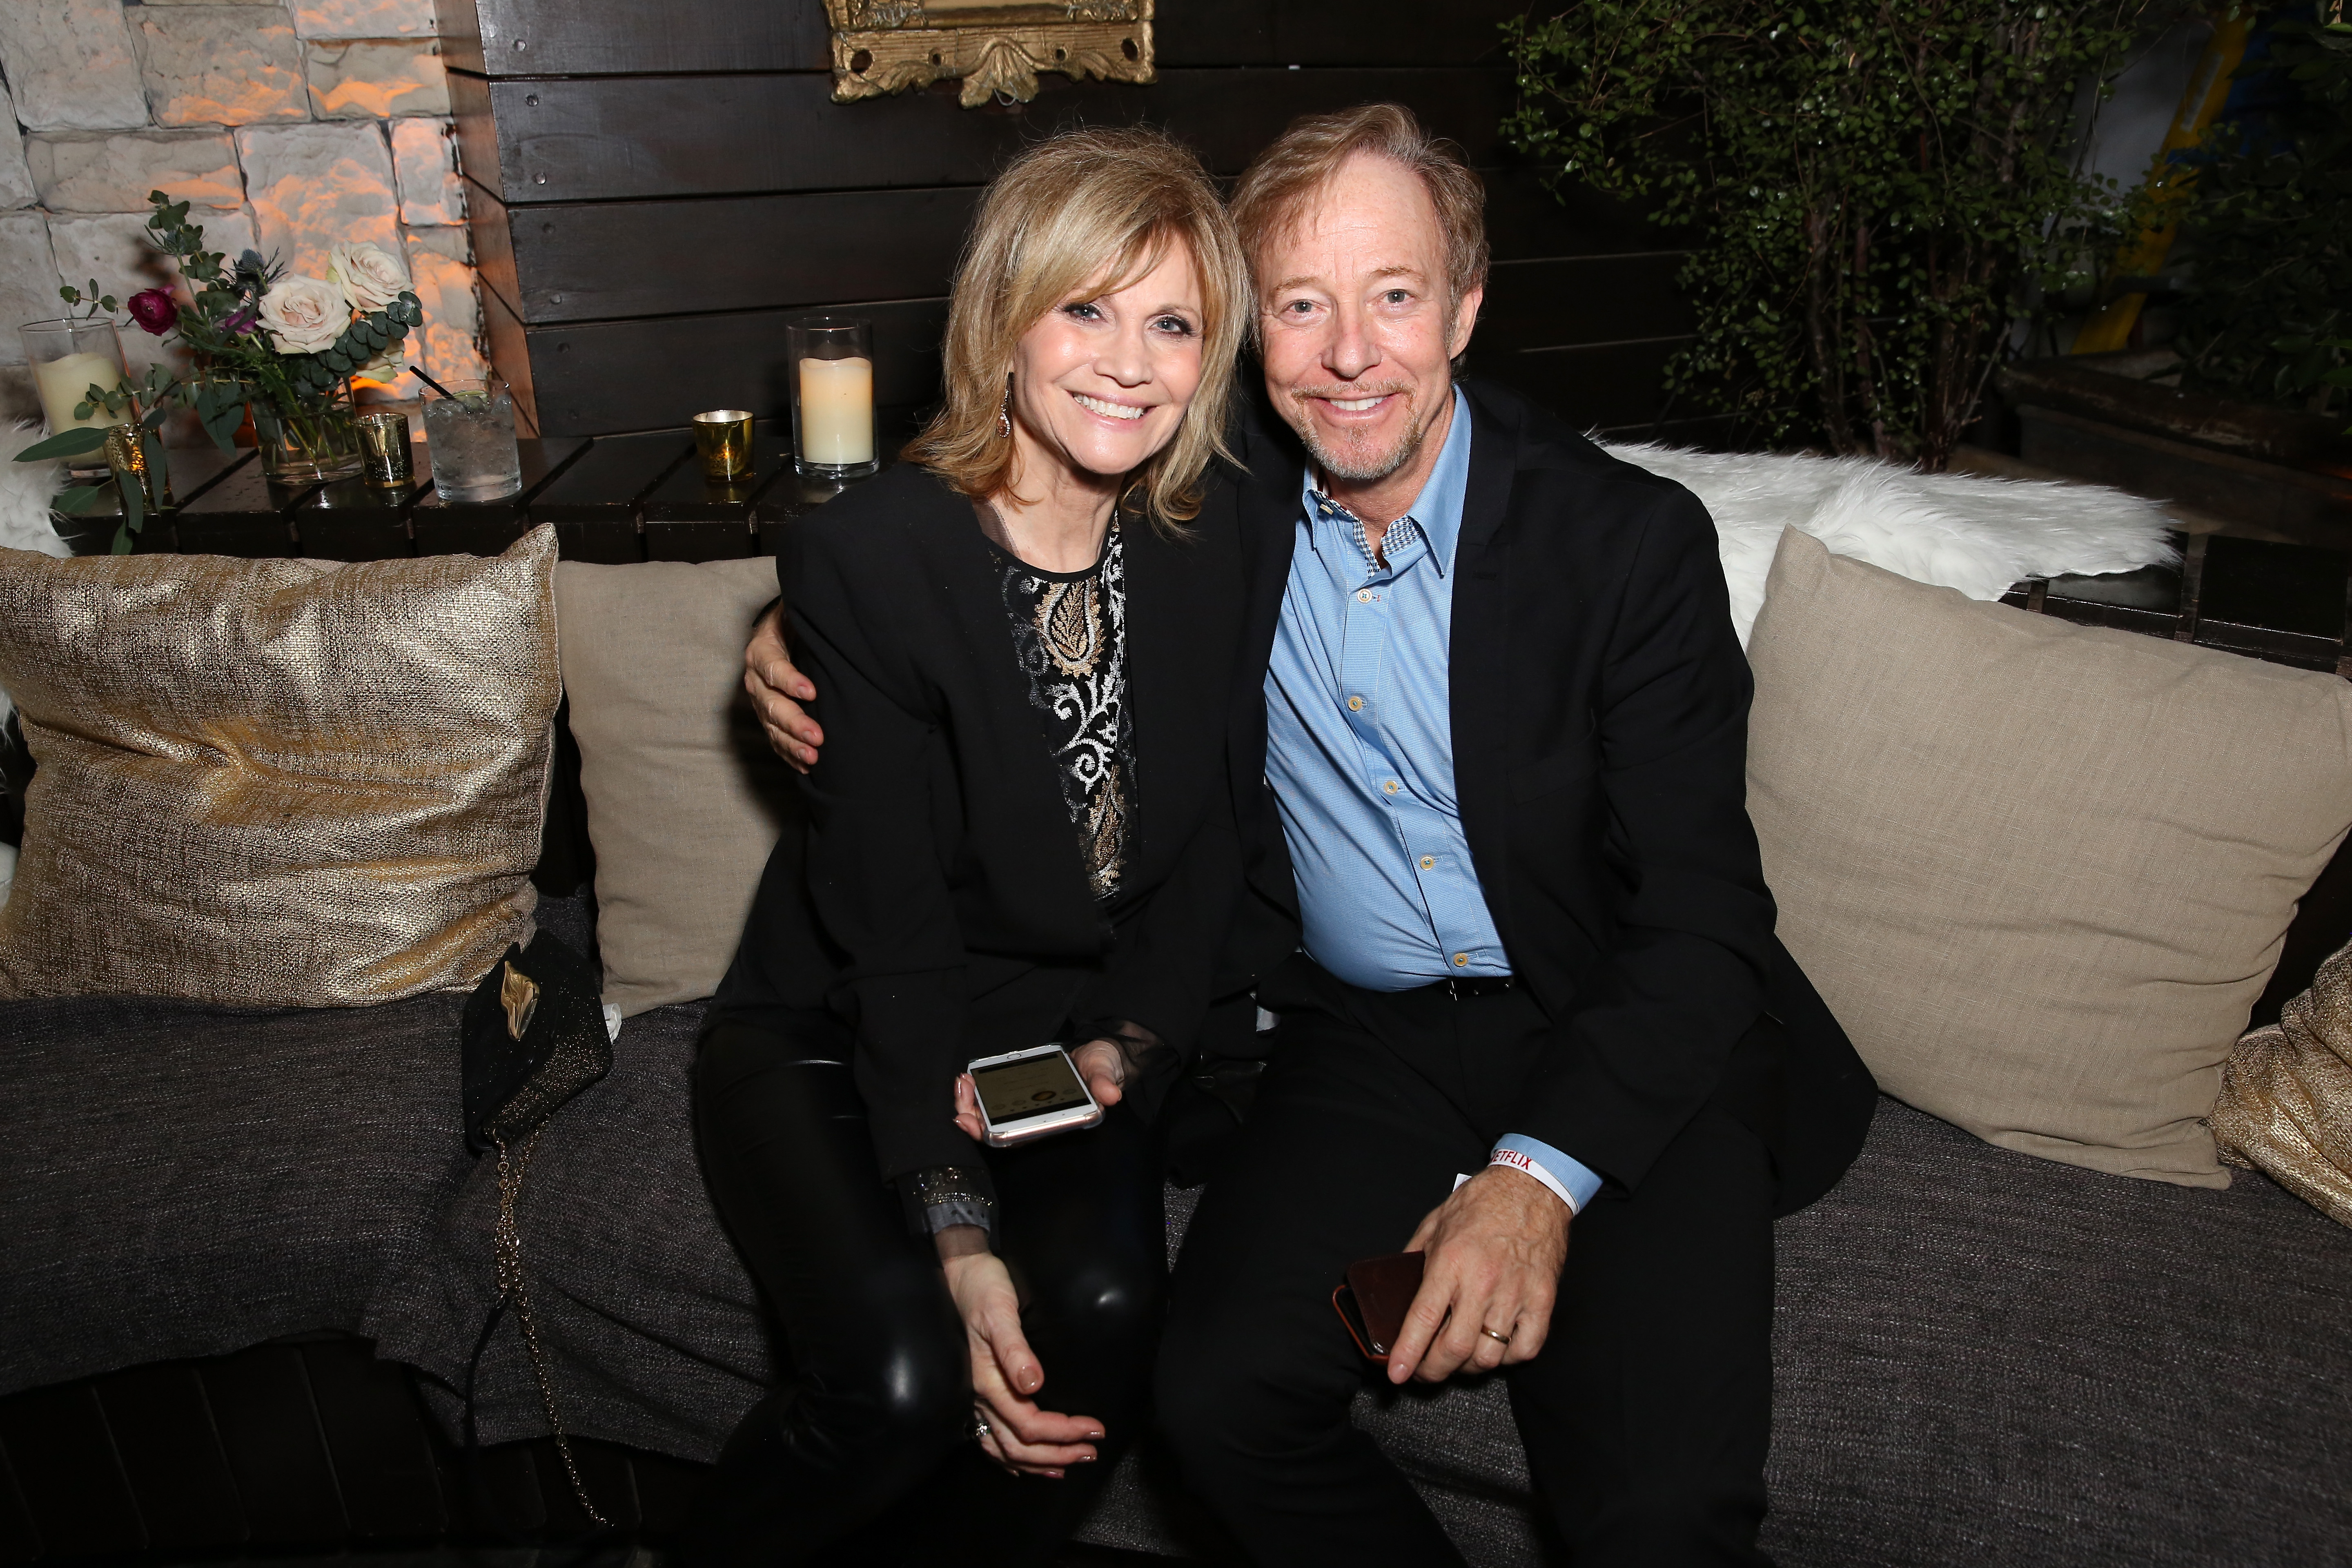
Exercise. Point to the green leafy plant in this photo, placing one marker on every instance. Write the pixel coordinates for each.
(1876, 189)
(2268, 311)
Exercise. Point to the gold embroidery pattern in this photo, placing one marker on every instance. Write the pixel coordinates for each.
(1069, 626)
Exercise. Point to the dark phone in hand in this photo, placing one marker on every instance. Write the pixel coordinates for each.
(1375, 1298)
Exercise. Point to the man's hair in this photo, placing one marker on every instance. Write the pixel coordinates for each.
(1282, 182)
(1089, 210)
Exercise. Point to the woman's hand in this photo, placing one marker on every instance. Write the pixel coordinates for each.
(1100, 1062)
(1005, 1377)
(1104, 1066)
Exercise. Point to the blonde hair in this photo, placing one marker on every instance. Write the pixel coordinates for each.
(1086, 211)
(1281, 181)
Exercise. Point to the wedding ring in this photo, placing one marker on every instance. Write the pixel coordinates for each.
(1498, 1339)
(979, 1427)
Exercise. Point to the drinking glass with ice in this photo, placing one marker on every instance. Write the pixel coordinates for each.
(471, 437)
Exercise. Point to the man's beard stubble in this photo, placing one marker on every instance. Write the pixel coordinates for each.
(1359, 468)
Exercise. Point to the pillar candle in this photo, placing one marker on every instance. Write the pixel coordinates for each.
(64, 381)
(838, 411)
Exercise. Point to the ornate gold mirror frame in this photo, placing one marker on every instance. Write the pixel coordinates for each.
(887, 46)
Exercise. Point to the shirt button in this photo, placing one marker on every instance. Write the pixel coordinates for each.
(1365, 595)
(1461, 961)
(1428, 862)
(1391, 786)
(1355, 705)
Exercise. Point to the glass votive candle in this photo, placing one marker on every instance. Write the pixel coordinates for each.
(384, 450)
(830, 366)
(67, 357)
(722, 438)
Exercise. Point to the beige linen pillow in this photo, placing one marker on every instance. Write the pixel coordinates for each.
(2041, 872)
(685, 799)
(276, 782)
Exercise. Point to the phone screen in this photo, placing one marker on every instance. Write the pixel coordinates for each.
(1031, 1087)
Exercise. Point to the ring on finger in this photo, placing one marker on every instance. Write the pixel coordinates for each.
(1498, 1339)
(979, 1427)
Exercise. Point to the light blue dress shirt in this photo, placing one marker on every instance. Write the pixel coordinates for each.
(1359, 750)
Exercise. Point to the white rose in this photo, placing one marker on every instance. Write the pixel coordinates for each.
(305, 315)
(371, 276)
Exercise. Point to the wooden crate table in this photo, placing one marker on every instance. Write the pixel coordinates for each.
(593, 502)
(487, 527)
(690, 518)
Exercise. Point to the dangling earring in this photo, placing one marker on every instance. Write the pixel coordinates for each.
(1004, 413)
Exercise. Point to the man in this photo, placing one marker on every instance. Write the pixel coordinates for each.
(1504, 729)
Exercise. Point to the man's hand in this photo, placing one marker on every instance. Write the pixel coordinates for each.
(1494, 1250)
(778, 690)
(1005, 1377)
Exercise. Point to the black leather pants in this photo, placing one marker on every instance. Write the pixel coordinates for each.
(866, 1454)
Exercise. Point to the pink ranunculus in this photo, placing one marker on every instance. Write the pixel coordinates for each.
(154, 310)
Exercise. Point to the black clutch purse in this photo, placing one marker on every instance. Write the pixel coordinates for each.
(532, 1035)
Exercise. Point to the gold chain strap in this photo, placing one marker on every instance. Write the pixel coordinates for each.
(506, 1243)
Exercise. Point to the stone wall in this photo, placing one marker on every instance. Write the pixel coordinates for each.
(288, 124)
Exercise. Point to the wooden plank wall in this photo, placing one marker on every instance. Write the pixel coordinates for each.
(657, 185)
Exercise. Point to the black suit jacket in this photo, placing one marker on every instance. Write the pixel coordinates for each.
(942, 912)
(1600, 703)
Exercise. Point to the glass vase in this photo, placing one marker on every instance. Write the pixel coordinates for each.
(313, 442)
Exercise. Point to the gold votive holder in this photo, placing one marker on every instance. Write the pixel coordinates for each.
(126, 456)
(384, 450)
(722, 438)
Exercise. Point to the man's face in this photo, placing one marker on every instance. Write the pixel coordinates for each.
(1359, 335)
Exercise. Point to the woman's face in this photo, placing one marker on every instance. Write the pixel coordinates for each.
(1102, 381)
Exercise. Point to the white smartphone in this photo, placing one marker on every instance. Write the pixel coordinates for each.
(1030, 1094)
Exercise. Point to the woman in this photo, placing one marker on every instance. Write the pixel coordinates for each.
(1019, 833)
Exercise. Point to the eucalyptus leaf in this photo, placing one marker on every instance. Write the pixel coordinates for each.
(134, 505)
(158, 464)
(64, 444)
(77, 499)
(121, 545)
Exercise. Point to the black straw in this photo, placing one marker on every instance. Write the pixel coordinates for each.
(432, 384)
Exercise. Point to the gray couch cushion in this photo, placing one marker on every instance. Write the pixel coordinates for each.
(179, 1179)
(653, 1325)
(1987, 1357)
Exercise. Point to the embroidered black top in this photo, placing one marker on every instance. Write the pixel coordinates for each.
(1069, 637)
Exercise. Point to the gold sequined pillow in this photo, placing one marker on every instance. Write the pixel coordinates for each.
(2286, 1095)
(276, 782)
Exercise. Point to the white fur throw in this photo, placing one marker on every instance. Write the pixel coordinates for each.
(26, 489)
(1957, 530)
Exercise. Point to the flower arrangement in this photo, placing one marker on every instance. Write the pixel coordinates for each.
(282, 348)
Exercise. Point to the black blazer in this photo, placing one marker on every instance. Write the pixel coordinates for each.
(942, 912)
(1599, 700)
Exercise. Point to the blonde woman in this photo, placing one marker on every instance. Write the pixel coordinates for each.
(1020, 832)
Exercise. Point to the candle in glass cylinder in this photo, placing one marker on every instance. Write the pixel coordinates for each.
(838, 411)
(65, 381)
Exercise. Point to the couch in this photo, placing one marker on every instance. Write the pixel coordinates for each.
(1982, 1356)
